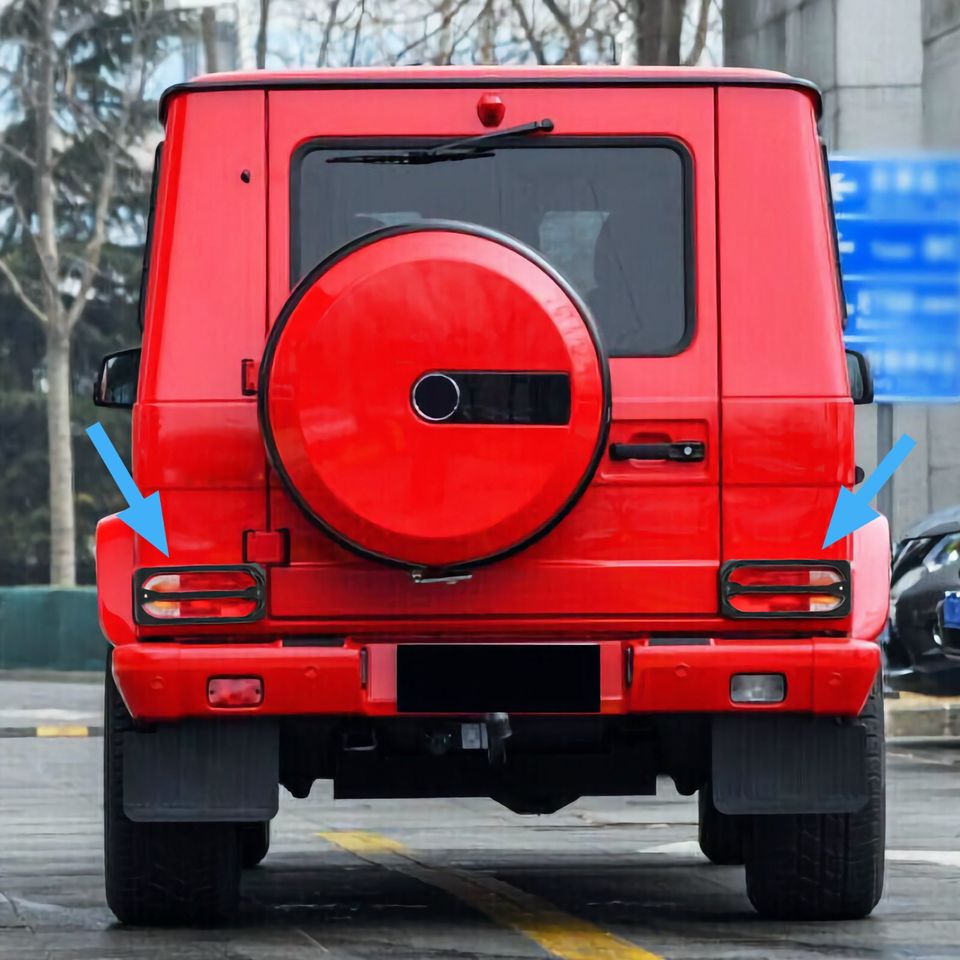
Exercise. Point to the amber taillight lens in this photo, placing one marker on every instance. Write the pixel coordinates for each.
(782, 588)
(199, 594)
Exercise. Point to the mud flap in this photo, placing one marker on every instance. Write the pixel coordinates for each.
(788, 764)
(202, 770)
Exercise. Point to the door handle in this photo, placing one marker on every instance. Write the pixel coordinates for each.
(683, 451)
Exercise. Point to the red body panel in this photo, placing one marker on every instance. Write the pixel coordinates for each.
(787, 412)
(594, 562)
(762, 385)
(169, 681)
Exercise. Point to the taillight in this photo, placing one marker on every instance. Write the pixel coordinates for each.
(785, 588)
(199, 594)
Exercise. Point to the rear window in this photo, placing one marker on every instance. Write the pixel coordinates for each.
(613, 218)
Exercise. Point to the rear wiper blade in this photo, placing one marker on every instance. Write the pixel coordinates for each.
(467, 148)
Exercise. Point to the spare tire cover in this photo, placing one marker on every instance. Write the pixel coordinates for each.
(434, 395)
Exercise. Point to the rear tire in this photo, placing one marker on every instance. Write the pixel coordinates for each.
(254, 843)
(720, 835)
(161, 874)
(825, 866)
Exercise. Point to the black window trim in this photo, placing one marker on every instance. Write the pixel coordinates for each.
(148, 239)
(550, 142)
(834, 236)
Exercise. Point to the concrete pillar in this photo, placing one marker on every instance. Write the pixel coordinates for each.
(866, 56)
(941, 73)
(871, 59)
(941, 127)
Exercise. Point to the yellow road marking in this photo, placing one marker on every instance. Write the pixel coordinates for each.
(561, 934)
(362, 841)
(62, 731)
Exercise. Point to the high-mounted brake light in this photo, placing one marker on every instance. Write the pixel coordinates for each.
(180, 595)
(785, 588)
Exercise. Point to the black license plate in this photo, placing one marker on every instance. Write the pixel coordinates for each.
(498, 678)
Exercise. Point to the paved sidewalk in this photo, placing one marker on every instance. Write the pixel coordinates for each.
(916, 715)
(50, 705)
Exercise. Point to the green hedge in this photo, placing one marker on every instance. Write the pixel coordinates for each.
(50, 628)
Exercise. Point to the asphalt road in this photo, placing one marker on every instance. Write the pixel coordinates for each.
(417, 880)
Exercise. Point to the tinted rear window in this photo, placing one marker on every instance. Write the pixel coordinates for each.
(611, 218)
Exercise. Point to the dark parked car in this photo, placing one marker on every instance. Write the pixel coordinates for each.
(926, 566)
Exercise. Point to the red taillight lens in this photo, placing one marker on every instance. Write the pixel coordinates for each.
(199, 581)
(784, 576)
(200, 595)
(786, 588)
(800, 603)
(210, 608)
(234, 691)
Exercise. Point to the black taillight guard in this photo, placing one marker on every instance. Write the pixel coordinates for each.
(840, 589)
(256, 593)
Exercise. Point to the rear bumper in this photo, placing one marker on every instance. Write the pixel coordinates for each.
(168, 681)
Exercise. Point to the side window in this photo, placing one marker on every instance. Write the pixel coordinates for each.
(148, 242)
(834, 239)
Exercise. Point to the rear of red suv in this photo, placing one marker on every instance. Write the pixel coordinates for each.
(497, 418)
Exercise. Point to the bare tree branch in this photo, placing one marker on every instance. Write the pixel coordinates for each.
(17, 153)
(464, 33)
(94, 246)
(445, 21)
(356, 32)
(20, 293)
(327, 33)
(700, 35)
(28, 230)
(262, 28)
(536, 45)
(571, 32)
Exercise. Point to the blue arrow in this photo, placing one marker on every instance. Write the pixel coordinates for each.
(853, 510)
(144, 515)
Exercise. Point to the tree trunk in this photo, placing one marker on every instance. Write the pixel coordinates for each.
(488, 31)
(657, 28)
(671, 27)
(63, 566)
(208, 31)
(328, 33)
(262, 29)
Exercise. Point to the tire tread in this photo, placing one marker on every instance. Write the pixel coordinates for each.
(161, 874)
(824, 866)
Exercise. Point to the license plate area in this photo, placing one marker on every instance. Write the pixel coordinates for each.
(498, 678)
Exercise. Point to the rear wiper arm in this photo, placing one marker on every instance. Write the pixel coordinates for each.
(479, 142)
(464, 149)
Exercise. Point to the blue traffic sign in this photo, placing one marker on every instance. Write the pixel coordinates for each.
(898, 232)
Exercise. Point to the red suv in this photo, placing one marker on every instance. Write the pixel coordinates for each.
(497, 416)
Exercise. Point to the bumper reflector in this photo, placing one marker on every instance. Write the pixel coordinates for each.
(785, 588)
(234, 691)
(758, 688)
(199, 594)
